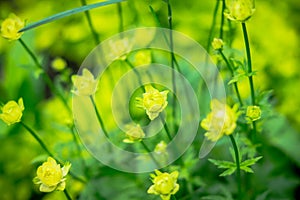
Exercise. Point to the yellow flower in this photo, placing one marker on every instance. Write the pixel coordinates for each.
(221, 120)
(58, 64)
(217, 44)
(119, 48)
(10, 27)
(51, 176)
(153, 101)
(164, 184)
(239, 10)
(142, 57)
(161, 147)
(12, 112)
(85, 85)
(134, 133)
(253, 113)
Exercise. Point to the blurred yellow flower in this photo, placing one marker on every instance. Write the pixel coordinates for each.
(10, 27)
(217, 44)
(164, 184)
(221, 120)
(142, 57)
(58, 64)
(134, 133)
(239, 10)
(153, 101)
(161, 148)
(51, 176)
(12, 112)
(253, 113)
(119, 48)
(85, 84)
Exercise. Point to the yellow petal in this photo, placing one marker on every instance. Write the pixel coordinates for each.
(45, 188)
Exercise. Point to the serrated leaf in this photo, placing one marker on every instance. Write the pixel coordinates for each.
(251, 161)
(68, 13)
(222, 164)
(247, 169)
(228, 171)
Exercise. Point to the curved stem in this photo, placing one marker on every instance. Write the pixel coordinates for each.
(232, 75)
(150, 153)
(99, 116)
(67, 194)
(238, 169)
(45, 76)
(43, 145)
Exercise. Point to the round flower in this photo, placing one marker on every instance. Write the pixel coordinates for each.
(253, 113)
(85, 85)
(221, 120)
(58, 64)
(51, 176)
(153, 101)
(10, 27)
(134, 133)
(12, 112)
(119, 49)
(217, 44)
(239, 10)
(164, 184)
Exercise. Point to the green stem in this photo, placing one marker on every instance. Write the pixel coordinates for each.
(45, 76)
(67, 194)
(250, 77)
(210, 35)
(99, 116)
(150, 153)
(135, 71)
(172, 57)
(43, 145)
(238, 169)
(232, 75)
(222, 19)
(166, 127)
(90, 23)
(120, 14)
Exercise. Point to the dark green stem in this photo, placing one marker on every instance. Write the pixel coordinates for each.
(67, 194)
(238, 169)
(222, 19)
(165, 127)
(172, 57)
(99, 116)
(150, 153)
(90, 23)
(232, 75)
(120, 14)
(43, 145)
(45, 76)
(210, 35)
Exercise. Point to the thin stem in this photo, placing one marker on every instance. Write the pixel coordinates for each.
(250, 77)
(45, 76)
(166, 128)
(210, 35)
(90, 23)
(222, 19)
(150, 153)
(232, 75)
(135, 71)
(43, 145)
(120, 14)
(238, 169)
(67, 194)
(172, 57)
(99, 116)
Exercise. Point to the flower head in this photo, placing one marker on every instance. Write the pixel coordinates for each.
(217, 44)
(161, 148)
(10, 27)
(134, 133)
(12, 112)
(58, 64)
(153, 101)
(221, 120)
(164, 184)
(240, 10)
(253, 113)
(119, 48)
(51, 176)
(142, 58)
(85, 84)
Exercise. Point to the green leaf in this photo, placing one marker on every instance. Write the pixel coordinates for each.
(250, 162)
(68, 13)
(247, 169)
(228, 171)
(222, 164)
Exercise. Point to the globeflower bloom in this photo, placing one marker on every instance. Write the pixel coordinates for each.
(253, 113)
(164, 184)
(217, 44)
(134, 133)
(51, 176)
(10, 27)
(85, 84)
(12, 112)
(119, 48)
(239, 10)
(221, 120)
(153, 101)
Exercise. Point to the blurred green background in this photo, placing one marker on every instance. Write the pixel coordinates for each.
(274, 35)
